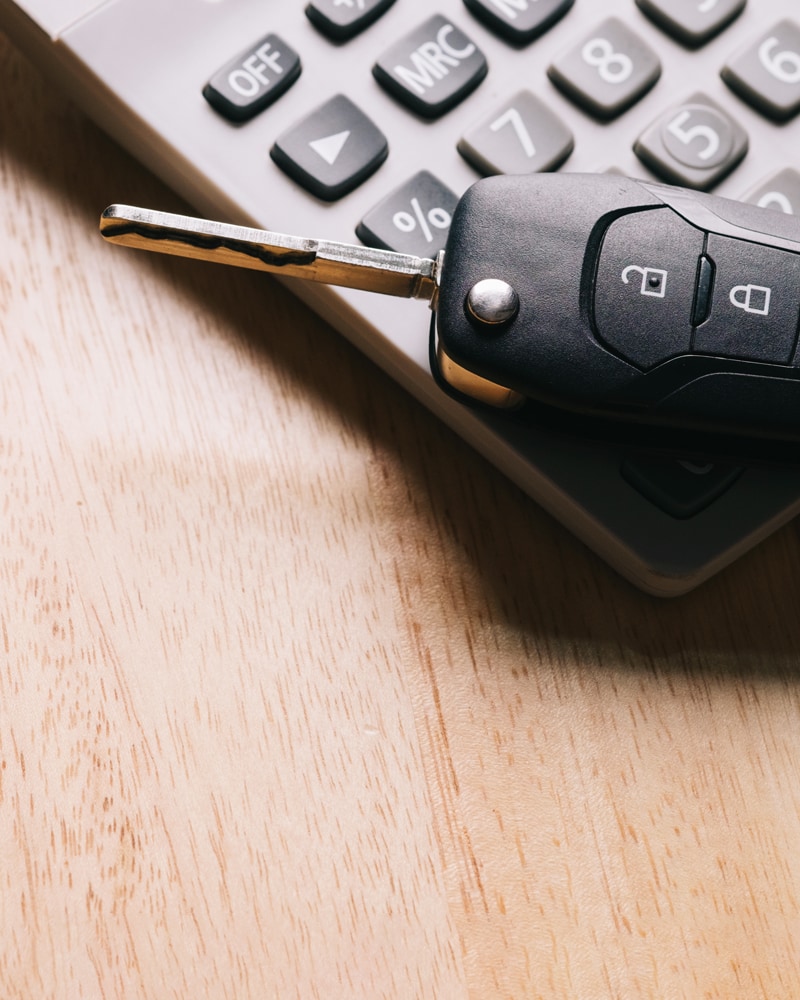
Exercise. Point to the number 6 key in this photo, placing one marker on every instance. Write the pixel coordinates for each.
(767, 72)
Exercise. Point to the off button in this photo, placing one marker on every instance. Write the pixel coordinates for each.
(253, 80)
(645, 287)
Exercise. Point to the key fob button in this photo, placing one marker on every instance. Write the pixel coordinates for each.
(645, 288)
(755, 305)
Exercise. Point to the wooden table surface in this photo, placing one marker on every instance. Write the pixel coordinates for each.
(300, 698)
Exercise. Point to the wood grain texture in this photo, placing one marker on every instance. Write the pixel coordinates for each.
(300, 698)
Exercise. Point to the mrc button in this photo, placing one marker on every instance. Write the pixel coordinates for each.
(254, 79)
(755, 305)
(431, 68)
(645, 286)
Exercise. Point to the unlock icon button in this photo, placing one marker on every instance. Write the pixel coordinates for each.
(645, 286)
(654, 279)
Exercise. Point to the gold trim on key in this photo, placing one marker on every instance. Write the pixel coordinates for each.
(479, 388)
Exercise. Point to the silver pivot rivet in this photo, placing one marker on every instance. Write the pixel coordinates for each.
(492, 302)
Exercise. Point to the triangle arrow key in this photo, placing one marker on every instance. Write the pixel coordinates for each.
(330, 146)
(332, 150)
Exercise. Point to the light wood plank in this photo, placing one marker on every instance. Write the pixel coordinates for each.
(300, 698)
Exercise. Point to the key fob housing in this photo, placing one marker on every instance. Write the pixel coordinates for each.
(637, 302)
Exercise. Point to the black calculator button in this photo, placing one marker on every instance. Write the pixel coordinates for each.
(432, 68)
(254, 79)
(755, 307)
(680, 488)
(645, 286)
(414, 219)
(766, 73)
(693, 23)
(522, 136)
(609, 69)
(342, 19)
(695, 144)
(332, 150)
(519, 21)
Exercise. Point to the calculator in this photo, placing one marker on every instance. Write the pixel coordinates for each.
(366, 120)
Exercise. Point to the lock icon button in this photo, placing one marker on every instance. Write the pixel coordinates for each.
(654, 279)
(755, 310)
(752, 298)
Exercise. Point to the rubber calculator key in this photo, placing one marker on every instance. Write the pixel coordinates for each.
(522, 136)
(695, 144)
(608, 70)
(414, 219)
(679, 488)
(254, 79)
(519, 21)
(766, 73)
(780, 192)
(342, 19)
(332, 150)
(692, 22)
(432, 68)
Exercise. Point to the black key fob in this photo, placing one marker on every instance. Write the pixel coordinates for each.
(670, 314)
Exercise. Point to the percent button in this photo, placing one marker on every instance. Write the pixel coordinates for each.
(414, 219)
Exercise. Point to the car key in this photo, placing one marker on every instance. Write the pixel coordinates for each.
(603, 305)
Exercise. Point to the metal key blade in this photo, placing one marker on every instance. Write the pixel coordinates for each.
(342, 264)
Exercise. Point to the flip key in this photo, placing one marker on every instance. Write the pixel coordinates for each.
(596, 303)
